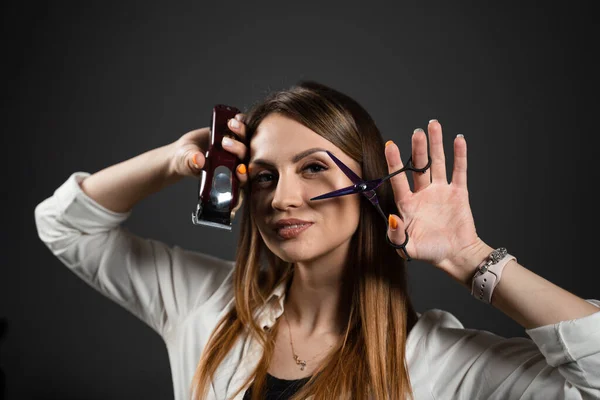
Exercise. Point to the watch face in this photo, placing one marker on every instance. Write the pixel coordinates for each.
(498, 254)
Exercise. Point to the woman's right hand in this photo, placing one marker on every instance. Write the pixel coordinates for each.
(188, 154)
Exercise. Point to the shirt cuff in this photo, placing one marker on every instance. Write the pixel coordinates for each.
(81, 211)
(568, 341)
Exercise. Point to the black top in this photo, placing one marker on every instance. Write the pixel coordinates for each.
(279, 389)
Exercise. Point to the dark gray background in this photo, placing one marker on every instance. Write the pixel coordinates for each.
(90, 84)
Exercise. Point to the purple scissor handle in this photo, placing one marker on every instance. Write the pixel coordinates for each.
(367, 189)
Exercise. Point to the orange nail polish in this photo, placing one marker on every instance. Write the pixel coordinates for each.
(194, 160)
(392, 222)
(388, 143)
(241, 169)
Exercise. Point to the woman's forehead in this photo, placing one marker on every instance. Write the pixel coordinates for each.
(278, 136)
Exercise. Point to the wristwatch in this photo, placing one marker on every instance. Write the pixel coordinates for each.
(488, 274)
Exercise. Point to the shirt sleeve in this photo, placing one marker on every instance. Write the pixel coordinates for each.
(159, 284)
(560, 361)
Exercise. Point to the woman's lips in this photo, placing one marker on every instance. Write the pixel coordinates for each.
(292, 231)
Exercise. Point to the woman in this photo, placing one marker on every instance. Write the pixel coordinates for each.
(316, 302)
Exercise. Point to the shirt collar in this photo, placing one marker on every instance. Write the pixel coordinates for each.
(274, 306)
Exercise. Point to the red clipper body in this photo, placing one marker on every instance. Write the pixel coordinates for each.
(218, 189)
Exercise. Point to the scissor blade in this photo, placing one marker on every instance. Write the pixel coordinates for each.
(349, 173)
(340, 192)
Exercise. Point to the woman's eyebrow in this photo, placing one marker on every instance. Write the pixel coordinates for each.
(295, 159)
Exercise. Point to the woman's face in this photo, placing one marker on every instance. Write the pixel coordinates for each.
(288, 166)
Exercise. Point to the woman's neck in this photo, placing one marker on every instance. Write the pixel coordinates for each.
(314, 298)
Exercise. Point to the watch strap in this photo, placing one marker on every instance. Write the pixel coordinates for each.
(488, 274)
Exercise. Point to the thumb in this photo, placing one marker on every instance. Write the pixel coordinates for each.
(195, 161)
(188, 160)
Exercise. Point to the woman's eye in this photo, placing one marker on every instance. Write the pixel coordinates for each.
(265, 178)
(262, 178)
(315, 168)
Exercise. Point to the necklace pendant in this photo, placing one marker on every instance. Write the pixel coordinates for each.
(301, 363)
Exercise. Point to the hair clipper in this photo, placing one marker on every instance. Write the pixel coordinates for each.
(219, 196)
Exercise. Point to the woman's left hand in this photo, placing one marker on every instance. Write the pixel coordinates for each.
(435, 213)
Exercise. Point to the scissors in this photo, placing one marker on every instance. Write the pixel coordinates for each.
(367, 189)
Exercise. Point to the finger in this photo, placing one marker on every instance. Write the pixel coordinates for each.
(438, 159)
(242, 174)
(459, 172)
(238, 126)
(396, 232)
(234, 146)
(399, 182)
(198, 136)
(195, 161)
(198, 133)
(420, 159)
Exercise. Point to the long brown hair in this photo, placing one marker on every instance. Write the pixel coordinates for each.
(370, 360)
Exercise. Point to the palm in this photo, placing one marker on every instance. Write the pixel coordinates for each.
(438, 220)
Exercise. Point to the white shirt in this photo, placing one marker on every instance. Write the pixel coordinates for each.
(183, 294)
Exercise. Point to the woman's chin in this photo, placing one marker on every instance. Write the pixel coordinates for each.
(294, 254)
(293, 257)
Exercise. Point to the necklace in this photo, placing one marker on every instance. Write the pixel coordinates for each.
(300, 362)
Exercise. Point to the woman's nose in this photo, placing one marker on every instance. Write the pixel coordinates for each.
(288, 193)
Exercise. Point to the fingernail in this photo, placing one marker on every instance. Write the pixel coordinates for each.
(234, 123)
(195, 160)
(239, 117)
(226, 142)
(388, 143)
(417, 130)
(392, 222)
(433, 120)
(460, 135)
(241, 169)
